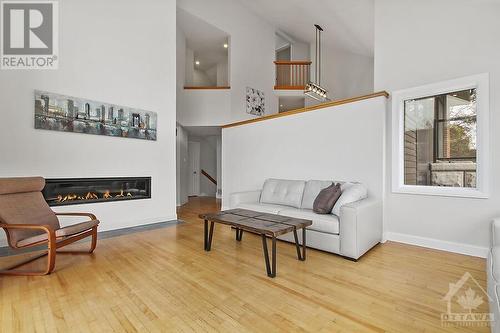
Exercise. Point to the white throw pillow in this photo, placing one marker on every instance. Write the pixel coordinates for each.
(351, 192)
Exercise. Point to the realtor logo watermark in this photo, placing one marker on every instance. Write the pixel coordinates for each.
(29, 34)
(466, 304)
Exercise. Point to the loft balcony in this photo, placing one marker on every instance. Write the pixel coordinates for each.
(292, 75)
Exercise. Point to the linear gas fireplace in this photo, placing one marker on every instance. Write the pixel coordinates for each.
(72, 191)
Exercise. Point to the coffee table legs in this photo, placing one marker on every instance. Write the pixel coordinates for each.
(270, 264)
(270, 268)
(239, 234)
(208, 235)
(301, 255)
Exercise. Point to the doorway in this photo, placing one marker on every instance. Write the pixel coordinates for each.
(194, 168)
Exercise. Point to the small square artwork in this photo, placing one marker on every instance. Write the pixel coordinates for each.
(255, 102)
(57, 112)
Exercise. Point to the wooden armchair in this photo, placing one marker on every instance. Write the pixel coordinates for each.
(28, 221)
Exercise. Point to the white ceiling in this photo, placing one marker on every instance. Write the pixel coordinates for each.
(204, 39)
(348, 24)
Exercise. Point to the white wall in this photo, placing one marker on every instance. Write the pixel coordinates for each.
(436, 41)
(251, 52)
(205, 107)
(281, 42)
(182, 174)
(222, 75)
(343, 73)
(323, 149)
(197, 107)
(300, 51)
(181, 67)
(106, 60)
(202, 79)
(212, 74)
(189, 63)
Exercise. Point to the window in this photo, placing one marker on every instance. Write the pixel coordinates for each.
(442, 138)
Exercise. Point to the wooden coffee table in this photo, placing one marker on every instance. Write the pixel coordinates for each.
(263, 224)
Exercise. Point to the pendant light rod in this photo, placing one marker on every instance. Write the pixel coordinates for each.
(319, 29)
(314, 89)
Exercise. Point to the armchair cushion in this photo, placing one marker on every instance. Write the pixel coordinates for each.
(26, 208)
(63, 232)
(21, 185)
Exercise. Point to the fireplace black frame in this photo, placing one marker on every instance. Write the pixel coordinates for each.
(99, 200)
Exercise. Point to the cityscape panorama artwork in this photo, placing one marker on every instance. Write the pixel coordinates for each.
(72, 114)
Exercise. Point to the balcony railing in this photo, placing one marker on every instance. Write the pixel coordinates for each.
(292, 75)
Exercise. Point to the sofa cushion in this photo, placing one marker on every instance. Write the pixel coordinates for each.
(351, 192)
(323, 223)
(325, 200)
(63, 232)
(494, 295)
(311, 191)
(495, 263)
(260, 207)
(283, 192)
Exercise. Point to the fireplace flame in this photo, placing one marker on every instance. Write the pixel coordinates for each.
(91, 196)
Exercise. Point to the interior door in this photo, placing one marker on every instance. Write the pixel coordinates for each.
(194, 168)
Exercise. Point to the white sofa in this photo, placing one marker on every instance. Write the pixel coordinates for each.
(493, 275)
(354, 226)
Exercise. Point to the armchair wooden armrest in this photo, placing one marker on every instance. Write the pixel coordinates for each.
(51, 233)
(48, 229)
(51, 248)
(92, 216)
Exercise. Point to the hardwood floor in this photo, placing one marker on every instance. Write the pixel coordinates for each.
(162, 280)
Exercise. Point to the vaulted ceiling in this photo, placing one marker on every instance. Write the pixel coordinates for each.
(348, 24)
(204, 39)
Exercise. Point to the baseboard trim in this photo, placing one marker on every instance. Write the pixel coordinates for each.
(437, 244)
(109, 233)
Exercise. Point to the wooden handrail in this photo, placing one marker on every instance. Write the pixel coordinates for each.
(207, 88)
(292, 62)
(309, 108)
(204, 173)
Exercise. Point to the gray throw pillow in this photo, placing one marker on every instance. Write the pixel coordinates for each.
(326, 199)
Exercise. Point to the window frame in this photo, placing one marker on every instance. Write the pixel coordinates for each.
(479, 82)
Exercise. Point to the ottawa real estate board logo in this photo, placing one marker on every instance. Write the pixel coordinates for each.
(466, 304)
(29, 34)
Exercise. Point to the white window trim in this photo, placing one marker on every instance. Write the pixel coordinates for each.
(481, 83)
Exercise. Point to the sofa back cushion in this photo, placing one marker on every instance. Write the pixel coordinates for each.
(311, 191)
(22, 202)
(283, 192)
(351, 192)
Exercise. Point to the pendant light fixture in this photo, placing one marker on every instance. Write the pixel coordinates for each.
(314, 89)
